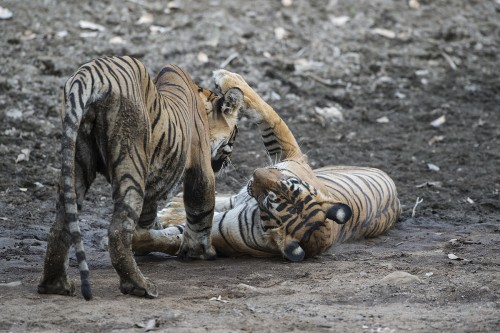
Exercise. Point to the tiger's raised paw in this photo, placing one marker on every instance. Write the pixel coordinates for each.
(148, 291)
(58, 286)
(225, 80)
(253, 104)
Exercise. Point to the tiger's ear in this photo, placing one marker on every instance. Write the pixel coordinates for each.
(233, 101)
(339, 213)
(289, 246)
(292, 250)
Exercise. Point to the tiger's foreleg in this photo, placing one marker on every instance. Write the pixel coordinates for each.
(166, 233)
(277, 137)
(166, 240)
(199, 202)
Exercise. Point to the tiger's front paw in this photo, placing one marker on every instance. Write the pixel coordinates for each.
(59, 286)
(145, 288)
(191, 249)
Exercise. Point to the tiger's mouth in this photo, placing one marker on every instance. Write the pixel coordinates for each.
(222, 157)
(221, 154)
(221, 163)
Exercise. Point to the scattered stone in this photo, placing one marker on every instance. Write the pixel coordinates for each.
(62, 33)
(14, 114)
(218, 299)
(150, 325)
(117, 40)
(414, 4)
(422, 72)
(89, 34)
(146, 18)
(451, 256)
(383, 120)
(173, 5)
(331, 113)
(439, 121)
(24, 156)
(86, 25)
(436, 138)
(339, 20)
(156, 29)
(384, 33)
(433, 167)
(280, 33)
(202, 57)
(5, 13)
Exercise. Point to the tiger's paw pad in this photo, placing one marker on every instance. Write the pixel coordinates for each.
(148, 291)
(59, 286)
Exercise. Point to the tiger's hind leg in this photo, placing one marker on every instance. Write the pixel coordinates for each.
(128, 194)
(128, 181)
(55, 278)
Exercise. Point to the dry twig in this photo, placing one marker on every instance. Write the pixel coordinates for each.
(449, 60)
(418, 202)
(228, 60)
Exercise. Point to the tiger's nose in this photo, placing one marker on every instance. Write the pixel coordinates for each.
(267, 175)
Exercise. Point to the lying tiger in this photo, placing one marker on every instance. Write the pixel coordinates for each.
(144, 136)
(286, 209)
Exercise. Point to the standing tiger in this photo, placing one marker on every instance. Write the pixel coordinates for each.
(144, 136)
(286, 209)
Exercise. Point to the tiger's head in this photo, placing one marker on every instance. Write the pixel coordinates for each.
(298, 217)
(222, 112)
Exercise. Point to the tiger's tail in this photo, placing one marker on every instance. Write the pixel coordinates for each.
(77, 93)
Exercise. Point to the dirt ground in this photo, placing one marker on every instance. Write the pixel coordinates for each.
(440, 59)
